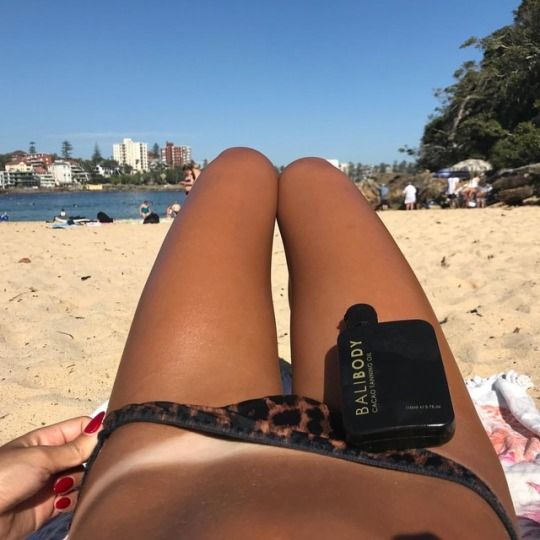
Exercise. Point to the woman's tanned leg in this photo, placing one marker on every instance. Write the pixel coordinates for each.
(203, 333)
(204, 329)
(339, 253)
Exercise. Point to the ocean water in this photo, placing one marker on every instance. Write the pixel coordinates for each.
(118, 204)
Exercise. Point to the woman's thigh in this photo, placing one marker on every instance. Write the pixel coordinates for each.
(339, 253)
(204, 329)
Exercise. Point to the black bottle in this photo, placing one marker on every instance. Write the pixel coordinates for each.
(393, 385)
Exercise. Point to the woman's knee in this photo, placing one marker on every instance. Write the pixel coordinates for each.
(308, 167)
(242, 173)
(241, 158)
(316, 175)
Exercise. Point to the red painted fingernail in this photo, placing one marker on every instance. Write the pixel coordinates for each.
(94, 424)
(62, 503)
(63, 484)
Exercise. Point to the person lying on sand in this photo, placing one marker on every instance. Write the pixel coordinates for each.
(199, 441)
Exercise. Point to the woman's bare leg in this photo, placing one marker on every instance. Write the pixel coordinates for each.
(203, 333)
(204, 330)
(339, 253)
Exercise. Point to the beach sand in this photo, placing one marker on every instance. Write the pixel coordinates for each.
(68, 297)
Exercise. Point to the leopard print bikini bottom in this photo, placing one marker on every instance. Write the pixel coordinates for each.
(298, 423)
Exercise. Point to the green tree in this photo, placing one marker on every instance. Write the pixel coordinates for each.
(155, 150)
(96, 156)
(32, 147)
(110, 164)
(518, 148)
(67, 149)
(351, 171)
(4, 158)
(479, 114)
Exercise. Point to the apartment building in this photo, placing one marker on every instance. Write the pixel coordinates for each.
(131, 153)
(61, 171)
(175, 156)
(18, 178)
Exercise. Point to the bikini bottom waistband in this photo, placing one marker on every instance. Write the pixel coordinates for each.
(299, 423)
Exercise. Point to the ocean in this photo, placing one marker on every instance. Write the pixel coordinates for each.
(118, 204)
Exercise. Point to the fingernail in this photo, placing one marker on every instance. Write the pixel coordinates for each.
(62, 503)
(63, 484)
(94, 424)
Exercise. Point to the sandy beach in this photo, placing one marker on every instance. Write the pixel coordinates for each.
(68, 296)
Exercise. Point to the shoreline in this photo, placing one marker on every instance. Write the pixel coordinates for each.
(111, 189)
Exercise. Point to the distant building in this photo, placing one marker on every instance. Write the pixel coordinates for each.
(104, 172)
(79, 175)
(46, 178)
(61, 171)
(131, 153)
(5, 180)
(344, 167)
(45, 160)
(18, 178)
(18, 166)
(175, 156)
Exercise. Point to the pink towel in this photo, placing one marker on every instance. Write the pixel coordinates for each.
(512, 421)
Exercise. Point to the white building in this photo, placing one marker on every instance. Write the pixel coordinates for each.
(6, 180)
(21, 166)
(343, 167)
(61, 170)
(46, 179)
(131, 153)
(79, 175)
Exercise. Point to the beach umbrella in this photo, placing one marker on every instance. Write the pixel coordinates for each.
(472, 166)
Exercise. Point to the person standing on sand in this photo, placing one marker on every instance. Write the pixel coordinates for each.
(384, 191)
(453, 182)
(410, 196)
(191, 173)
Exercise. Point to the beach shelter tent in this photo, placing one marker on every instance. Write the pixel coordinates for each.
(473, 166)
(446, 173)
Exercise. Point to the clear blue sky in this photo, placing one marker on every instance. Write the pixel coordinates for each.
(347, 79)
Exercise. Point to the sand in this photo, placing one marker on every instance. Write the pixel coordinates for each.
(68, 296)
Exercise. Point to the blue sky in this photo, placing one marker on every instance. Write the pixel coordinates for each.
(348, 79)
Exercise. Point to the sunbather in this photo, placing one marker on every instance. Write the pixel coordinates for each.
(216, 345)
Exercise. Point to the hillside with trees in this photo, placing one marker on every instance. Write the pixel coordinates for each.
(492, 111)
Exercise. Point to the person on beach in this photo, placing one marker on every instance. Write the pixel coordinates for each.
(173, 209)
(452, 191)
(191, 173)
(482, 193)
(145, 209)
(61, 217)
(384, 193)
(194, 447)
(409, 193)
(469, 192)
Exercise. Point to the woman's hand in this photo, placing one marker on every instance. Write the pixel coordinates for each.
(40, 474)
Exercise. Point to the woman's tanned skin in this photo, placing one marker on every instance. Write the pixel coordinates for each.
(216, 344)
